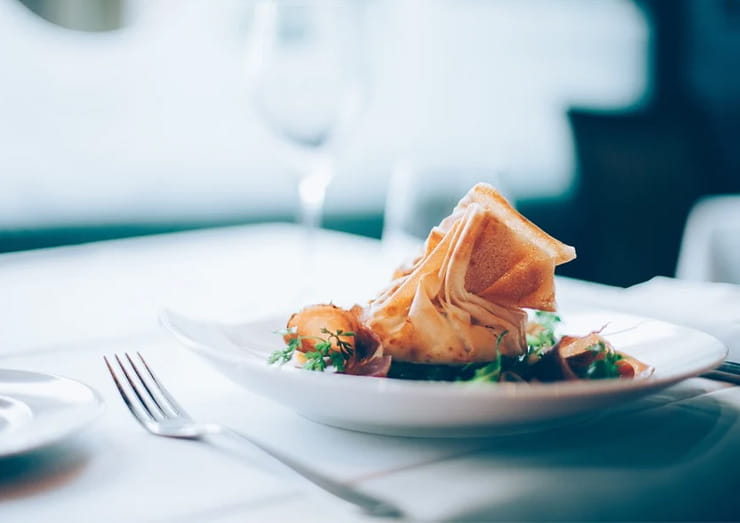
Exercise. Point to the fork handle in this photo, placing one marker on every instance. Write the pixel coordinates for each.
(369, 504)
(729, 371)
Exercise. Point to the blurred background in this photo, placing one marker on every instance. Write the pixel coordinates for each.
(603, 121)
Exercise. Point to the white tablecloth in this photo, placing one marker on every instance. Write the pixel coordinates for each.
(668, 456)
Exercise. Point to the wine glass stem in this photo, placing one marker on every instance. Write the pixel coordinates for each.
(312, 203)
(312, 193)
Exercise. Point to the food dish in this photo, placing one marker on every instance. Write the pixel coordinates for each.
(40, 409)
(421, 408)
(477, 304)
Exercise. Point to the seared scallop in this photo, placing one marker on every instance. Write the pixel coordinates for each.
(311, 322)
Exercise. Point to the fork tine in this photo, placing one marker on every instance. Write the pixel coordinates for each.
(137, 412)
(153, 396)
(176, 408)
(131, 382)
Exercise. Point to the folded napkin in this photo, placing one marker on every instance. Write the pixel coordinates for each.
(711, 307)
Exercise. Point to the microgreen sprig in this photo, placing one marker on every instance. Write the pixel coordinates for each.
(544, 336)
(605, 366)
(492, 371)
(322, 356)
(284, 355)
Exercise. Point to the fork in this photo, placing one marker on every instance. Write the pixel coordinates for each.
(158, 412)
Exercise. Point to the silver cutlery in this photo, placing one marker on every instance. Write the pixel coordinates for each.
(158, 412)
(729, 371)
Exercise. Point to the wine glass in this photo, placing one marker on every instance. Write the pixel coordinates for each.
(306, 82)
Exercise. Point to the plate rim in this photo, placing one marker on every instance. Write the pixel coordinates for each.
(96, 408)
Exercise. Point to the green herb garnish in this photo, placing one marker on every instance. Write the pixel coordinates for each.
(605, 365)
(322, 356)
(491, 371)
(284, 355)
(544, 336)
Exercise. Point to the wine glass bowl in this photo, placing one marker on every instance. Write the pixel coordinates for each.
(305, 80)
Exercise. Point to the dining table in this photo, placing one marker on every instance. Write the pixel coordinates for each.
(670, 455)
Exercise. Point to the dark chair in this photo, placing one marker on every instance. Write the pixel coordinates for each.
(637, 176)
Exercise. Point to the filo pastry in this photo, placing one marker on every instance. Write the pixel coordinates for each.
(462, 300)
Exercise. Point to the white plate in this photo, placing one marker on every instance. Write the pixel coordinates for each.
(39, 409)
(420, 408)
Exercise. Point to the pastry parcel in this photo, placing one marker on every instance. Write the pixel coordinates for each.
(463, 299)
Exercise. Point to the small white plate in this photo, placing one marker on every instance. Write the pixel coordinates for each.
(427, 408)
(40, 409)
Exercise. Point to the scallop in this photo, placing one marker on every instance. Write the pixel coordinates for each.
(310, 323)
